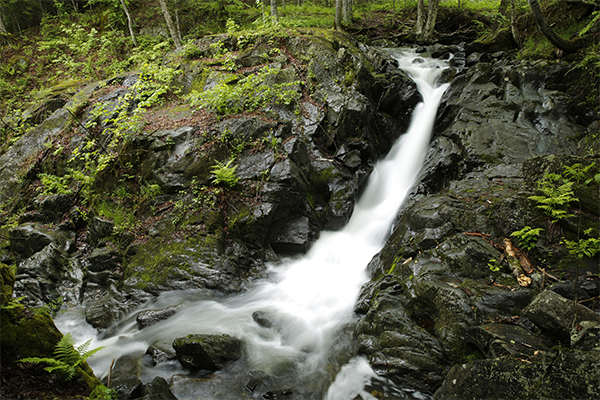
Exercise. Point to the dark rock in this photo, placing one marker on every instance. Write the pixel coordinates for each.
(554, 314)
(39, 277)
(207, 352)
(127, 387)
(151, 317)
(569, 375)
(277, 394)
(28, 239)
(498, 340)
(291, 236)
(161, 352)
(104, 259)
(262, 319)
(158, 389)
(98, 229)
(586, 336)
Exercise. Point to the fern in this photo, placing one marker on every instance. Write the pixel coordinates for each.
(556, 198)
(67, 358)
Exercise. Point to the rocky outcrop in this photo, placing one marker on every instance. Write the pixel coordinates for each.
(442, 282)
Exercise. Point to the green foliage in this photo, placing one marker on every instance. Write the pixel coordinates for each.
(556, 196)
(494, 265)
(583, 247)
(66, 359)
(55, 184)
(101, 392)
(527, 237)
(250, 93)
(225, 174)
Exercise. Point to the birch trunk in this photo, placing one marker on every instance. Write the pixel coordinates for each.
(274, 16)
(338, 15)
(431, 17)
(420, 12)
(129, 22)
(169, 21)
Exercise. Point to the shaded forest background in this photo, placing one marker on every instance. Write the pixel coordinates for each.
(45, 43)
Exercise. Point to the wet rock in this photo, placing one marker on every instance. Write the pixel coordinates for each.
(161, 352)
(586, 336)
(151, 317)
(291, 236)
(104, 259)
(28, 239)
(396, 346)
(554, 314)
(262, 319)
(498, 340)
(112, 305)
(207, 352)
(39, 277)
(127, 387)
(99, 228)
(158, 389)
(570, 374)
(288, 173)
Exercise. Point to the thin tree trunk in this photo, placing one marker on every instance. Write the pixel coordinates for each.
(169, 21)
(420, 13)
(431, 17)
(274, 15)
(347, 12)
(177, 25)
(2, 27)
(513, 23)
(338, 15)
(283, 5)
(129, 22)
(553, 37)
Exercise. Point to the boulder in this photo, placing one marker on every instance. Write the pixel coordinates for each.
(151, 317)
(554, 314)
(207, 352)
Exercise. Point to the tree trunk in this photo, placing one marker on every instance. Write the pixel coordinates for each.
(420, 12)
(347, 12)
(2, 27)
(338, 15)
(169, 21)
(553, 37)
(274, 16)
(129, 22)
(513, 24)
(431, 17)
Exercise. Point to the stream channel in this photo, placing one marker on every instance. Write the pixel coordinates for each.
(308, 301)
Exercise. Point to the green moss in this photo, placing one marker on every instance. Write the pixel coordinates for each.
(157, 263)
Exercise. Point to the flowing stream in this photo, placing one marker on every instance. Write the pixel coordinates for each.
(308, 300)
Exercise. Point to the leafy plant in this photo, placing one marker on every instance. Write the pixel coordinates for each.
(527, 237)
(101, 392)
(67, 357)
(494, 265)
(557, 195)
(248, 94)
(225, 174)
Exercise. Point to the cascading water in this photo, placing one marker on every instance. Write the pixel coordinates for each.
(308, 300)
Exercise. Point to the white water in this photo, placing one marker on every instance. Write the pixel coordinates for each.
(309, 299)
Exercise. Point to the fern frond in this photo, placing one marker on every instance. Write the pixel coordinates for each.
(37, 360)
(89, 353)
(65, 352)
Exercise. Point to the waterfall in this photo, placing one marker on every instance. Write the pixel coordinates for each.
(309, 300)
